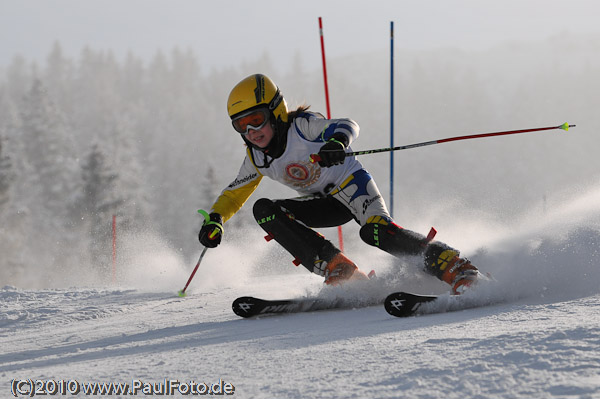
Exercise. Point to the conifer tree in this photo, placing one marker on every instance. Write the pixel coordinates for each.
(6, 176)
(51, 180)
(98, 202)
(124, 156)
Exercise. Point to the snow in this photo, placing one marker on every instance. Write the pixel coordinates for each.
(533, 332)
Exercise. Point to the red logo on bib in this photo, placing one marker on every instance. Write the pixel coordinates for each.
(297, 171)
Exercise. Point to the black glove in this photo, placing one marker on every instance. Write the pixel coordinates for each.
(334, 151)
(212, 231)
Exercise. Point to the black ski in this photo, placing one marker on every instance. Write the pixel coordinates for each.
(248, 306)
(404, 304)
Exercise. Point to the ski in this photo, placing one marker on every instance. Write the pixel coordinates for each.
(404, 304)
(248, 306)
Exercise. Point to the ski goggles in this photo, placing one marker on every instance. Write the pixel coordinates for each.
(254, 119)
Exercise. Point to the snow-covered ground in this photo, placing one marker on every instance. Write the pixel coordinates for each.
(538, 336)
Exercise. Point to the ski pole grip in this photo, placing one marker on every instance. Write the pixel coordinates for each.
(219, 226)
(205, 214)
(315, 158)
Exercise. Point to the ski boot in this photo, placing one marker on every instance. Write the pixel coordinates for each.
(461, 274)
(446, 264)
(340, 269)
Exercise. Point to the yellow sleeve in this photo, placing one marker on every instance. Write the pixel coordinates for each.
(237, 193)
(231, 201)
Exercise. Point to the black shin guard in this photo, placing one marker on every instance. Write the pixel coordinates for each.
(393, 239)
(398, 242)
(305, 244)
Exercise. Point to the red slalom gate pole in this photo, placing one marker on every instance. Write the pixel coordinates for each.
(114, 249)
(324, 68)
(564, 126)
(340, 234)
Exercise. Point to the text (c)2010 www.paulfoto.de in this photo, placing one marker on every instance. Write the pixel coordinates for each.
(167, 387)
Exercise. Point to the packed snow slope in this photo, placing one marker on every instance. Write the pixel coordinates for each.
(534, 332)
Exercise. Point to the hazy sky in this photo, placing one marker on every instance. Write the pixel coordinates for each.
(225, 32)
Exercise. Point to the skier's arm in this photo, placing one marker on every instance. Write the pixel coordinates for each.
(237, 193)
(228, 203)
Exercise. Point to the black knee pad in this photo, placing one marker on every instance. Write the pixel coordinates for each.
(264, 208)
(305, 244)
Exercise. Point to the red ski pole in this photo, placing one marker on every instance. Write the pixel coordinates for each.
(564, 126)
(182, 293)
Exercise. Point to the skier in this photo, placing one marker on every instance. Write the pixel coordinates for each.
(334, 190)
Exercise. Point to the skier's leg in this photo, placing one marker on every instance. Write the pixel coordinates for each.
(361, 196)
(440, 259)
(284, 221)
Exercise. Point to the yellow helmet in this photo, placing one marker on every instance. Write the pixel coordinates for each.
(256, 91)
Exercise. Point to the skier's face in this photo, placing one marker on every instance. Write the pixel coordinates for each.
(260, 137)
